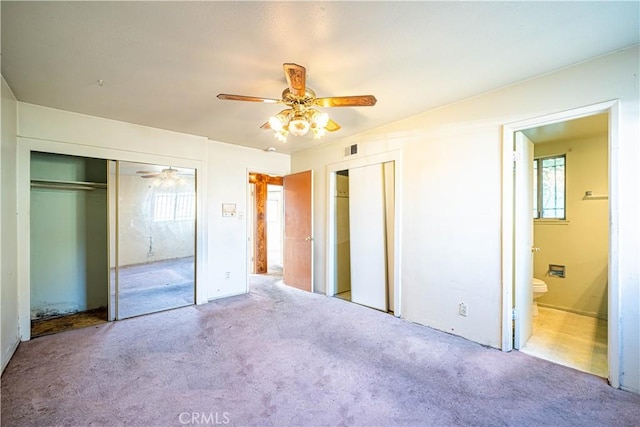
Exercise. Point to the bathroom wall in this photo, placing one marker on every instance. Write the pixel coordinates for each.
(343, 249)
(581, 242)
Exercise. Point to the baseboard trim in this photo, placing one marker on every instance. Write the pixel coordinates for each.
(583, 313)
(226, 296)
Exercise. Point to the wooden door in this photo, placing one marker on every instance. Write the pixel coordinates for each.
(298, 230)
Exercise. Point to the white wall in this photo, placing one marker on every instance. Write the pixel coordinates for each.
(581, 244)
(451, 197)
(229, 168)
(221, 178)
(9, 335)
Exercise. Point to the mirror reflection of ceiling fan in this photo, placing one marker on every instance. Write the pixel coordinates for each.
(169, 173)
(152, 174)
(302, 117)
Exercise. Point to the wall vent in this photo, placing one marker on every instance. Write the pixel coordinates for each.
(351, 150)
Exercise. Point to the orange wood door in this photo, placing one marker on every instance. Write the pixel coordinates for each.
(298, 230)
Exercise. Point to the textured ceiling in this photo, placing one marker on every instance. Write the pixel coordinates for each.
(163, 63)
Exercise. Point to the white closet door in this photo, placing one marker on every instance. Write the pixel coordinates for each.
(368, 236)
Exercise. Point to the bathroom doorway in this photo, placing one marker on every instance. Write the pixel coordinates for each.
(567, 183)
(363, 241)
(570, 230)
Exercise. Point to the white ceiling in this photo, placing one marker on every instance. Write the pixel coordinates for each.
(163, 63)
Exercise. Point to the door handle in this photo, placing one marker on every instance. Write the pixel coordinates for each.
(535, 249)
(308, 239)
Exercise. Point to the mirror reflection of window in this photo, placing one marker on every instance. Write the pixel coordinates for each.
(156, 207)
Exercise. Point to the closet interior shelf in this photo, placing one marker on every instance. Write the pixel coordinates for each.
(66, 185)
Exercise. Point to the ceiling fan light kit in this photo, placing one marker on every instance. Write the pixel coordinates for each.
(301, 117)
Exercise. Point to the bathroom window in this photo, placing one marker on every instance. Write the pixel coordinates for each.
(549, 187)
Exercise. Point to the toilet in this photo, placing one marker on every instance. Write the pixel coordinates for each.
(539, 289)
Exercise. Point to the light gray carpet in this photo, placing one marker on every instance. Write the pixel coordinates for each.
(156, 286)
(279, 357)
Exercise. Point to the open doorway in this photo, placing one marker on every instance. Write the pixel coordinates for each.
(558, 266)
(265, 224)
(570, 243)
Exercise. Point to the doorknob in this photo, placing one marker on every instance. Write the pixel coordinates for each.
(535, 249)
(308, 239)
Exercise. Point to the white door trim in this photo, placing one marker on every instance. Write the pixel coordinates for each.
(390, 156)
(613, 110)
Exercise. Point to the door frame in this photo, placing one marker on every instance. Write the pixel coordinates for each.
(253, 221)
(332, 169)
(250, 204)
(612, 108)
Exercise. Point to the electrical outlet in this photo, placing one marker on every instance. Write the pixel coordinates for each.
(463, 309)
(227, 275)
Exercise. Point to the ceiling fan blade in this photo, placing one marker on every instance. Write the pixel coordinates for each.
(332, 126)
(144, 172)
(149, 176)
(227, 97)
(296, 78)
(266, 126)
(346, 101)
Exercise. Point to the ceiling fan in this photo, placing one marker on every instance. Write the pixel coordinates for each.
(302, 116)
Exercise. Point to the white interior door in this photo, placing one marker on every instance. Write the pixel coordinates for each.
(368, 236)
(523, 232)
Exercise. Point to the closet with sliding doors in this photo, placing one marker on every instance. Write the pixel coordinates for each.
(108, 240)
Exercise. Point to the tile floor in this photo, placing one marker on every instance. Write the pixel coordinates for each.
(569, 339)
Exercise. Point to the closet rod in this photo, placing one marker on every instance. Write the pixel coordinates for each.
(66, 185)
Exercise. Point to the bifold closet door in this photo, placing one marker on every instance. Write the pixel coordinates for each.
(154, 238)
(368, 236)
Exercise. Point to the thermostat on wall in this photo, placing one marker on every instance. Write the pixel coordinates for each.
(228, 209)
